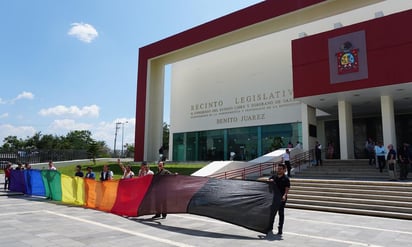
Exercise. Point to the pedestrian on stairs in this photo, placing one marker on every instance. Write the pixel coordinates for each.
(380, 155)
(286, 161)
(391, 158)
(370, 149)
(403, 161)
(318, 153)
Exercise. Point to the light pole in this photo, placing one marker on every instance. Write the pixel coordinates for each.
(123, 136)
(115, 137)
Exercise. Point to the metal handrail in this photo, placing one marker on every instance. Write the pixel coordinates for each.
(296, 162)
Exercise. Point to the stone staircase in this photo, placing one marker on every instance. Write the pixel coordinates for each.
(351, 187)
(344, 169)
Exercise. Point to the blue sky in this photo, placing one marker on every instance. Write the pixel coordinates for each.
(72, 65)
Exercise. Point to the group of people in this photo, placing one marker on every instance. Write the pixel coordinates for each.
(279, 181)
(107, 174)
(380, 157)
(7, 172)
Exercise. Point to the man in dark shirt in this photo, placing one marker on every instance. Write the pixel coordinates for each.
(161, 171)
(79, 172)
(391, 158)
(282, 183)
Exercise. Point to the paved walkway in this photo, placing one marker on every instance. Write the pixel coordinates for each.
(31, 221)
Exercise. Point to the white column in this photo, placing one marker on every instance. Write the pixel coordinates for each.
(388, 121)
(345, 130)
(154, 111)
(320, 131)
(308, 117)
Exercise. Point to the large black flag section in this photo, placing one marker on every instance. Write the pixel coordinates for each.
(243, 203)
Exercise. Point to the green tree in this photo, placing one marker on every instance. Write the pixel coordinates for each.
(78, 139)
(33, 142)
(74, 140)
(129, 150)
(48, 142)
(12, 143)
(93, 150)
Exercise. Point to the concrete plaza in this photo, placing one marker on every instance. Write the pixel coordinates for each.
(31, 221)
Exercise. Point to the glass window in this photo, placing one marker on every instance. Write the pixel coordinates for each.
(243, 143)
(246, 143)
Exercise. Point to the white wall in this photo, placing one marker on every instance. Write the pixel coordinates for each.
(242, 85)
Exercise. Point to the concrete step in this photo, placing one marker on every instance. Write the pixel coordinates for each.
(356, 182)
(354, 187)
(349, 177)
(349, 192)
(397, 202)
(354, 205)
(342, 169)
(395, 215)
(383, 197)
(364, 173)
(375, 198)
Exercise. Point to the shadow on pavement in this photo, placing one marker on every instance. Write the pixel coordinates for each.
(191, 232)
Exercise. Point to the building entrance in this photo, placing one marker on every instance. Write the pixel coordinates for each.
(364, 128)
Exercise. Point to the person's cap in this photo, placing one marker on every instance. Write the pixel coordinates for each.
(89, 167)
(79, 166)
(144, 163)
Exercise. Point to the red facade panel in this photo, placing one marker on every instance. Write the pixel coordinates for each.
(388, 49)
(254, 14)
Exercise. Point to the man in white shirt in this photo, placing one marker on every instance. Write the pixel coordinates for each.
(145, 170)
(106, 174)
(286, 161)
(380, 155)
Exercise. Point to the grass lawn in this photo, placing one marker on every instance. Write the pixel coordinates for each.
(181, 168)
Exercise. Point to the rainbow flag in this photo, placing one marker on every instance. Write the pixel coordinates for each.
(243, 203)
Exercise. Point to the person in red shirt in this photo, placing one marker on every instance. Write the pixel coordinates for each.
(7, 172)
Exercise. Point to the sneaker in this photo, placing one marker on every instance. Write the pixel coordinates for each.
(163, 217)
(155, 217)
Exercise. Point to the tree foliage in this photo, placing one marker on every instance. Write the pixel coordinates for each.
(74, 140)
(93, 150)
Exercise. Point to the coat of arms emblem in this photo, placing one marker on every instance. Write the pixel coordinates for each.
(347, 59)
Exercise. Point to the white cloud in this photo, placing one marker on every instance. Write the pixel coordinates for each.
(22, 95)
(83, 32)
(66, 125)
(19, 131)
(25, 95)
(4, 115)
(60, 110)
(105, 131)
